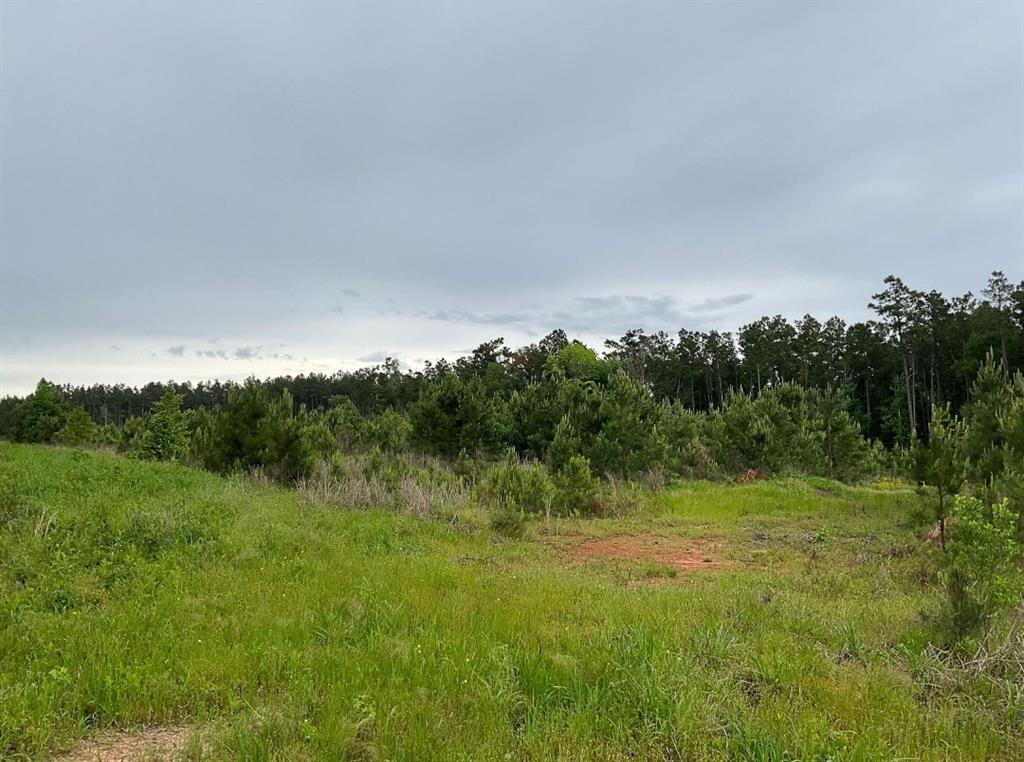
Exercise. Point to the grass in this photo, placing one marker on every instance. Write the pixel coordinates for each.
(137, 594)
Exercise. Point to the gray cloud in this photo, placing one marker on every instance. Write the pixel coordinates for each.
(246, 353)
(719, 303)
(464, 316)
(176, 351)
(615, 313)
(375, 357)
(602, 314)
(235, 169)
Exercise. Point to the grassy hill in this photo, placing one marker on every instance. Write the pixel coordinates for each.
(782, 619)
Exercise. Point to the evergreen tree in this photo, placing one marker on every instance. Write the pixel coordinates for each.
(992, 397)
(78, 428)
(940, 462)
(166, 435)
(575, 488)
(564, 446)
(847, 453)
(42, 414)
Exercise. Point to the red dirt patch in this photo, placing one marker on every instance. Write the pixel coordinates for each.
(130, 746)
(681, 553)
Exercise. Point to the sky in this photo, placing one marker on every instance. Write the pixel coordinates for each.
(192, 191)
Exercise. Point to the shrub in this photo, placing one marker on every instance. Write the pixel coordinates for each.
(537, 409)
(390, 431)
(687, 449)
(565, 445)
(467, 469)
(522, 485)
(508, 521)
(847, 454)
(575, 488)
(983, 577)
(453, 414)
(78, 428)
(255, 432)
(629, 440)
(129, 438)
(166, 434)
(346, 423)
(789, 428)
(290, 452)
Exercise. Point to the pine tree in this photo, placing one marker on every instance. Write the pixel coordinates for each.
(41, 415)
(564, 446)
(991, 399)
(166, 435)
(940, 462)
(576, 487)
(78, 428)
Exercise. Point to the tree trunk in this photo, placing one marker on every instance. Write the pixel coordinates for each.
(867, 399)
(910, 398)
(942, 520)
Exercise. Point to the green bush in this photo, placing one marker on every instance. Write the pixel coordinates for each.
(256, 432)
(984, 576)
(453, 414)
(628, 441)
(788, 428)
(565, 445)
(166, 435)
(390, 431)
(41, 415)
(508, 521)
(576, 488)
(847, 454)
(130, 436)
(346, 423)
(78, 429)
(518, 484)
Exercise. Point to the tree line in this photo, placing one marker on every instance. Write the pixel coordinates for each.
(921, 351)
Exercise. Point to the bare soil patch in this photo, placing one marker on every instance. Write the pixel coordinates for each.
(145, 745)
(681, 553)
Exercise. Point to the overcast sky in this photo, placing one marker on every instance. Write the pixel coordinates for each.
(195, 190)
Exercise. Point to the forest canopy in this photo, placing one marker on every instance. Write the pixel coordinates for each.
(922, 350)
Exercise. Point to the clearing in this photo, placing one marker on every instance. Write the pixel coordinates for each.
(139, 595)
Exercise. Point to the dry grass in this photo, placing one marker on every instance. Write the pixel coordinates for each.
(411, 488)
(147, 744)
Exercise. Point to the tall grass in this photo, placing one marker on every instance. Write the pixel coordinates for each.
(281, 626)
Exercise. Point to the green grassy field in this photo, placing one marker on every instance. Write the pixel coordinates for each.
(139, 594)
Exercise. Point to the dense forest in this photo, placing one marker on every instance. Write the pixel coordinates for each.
(923, 350)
